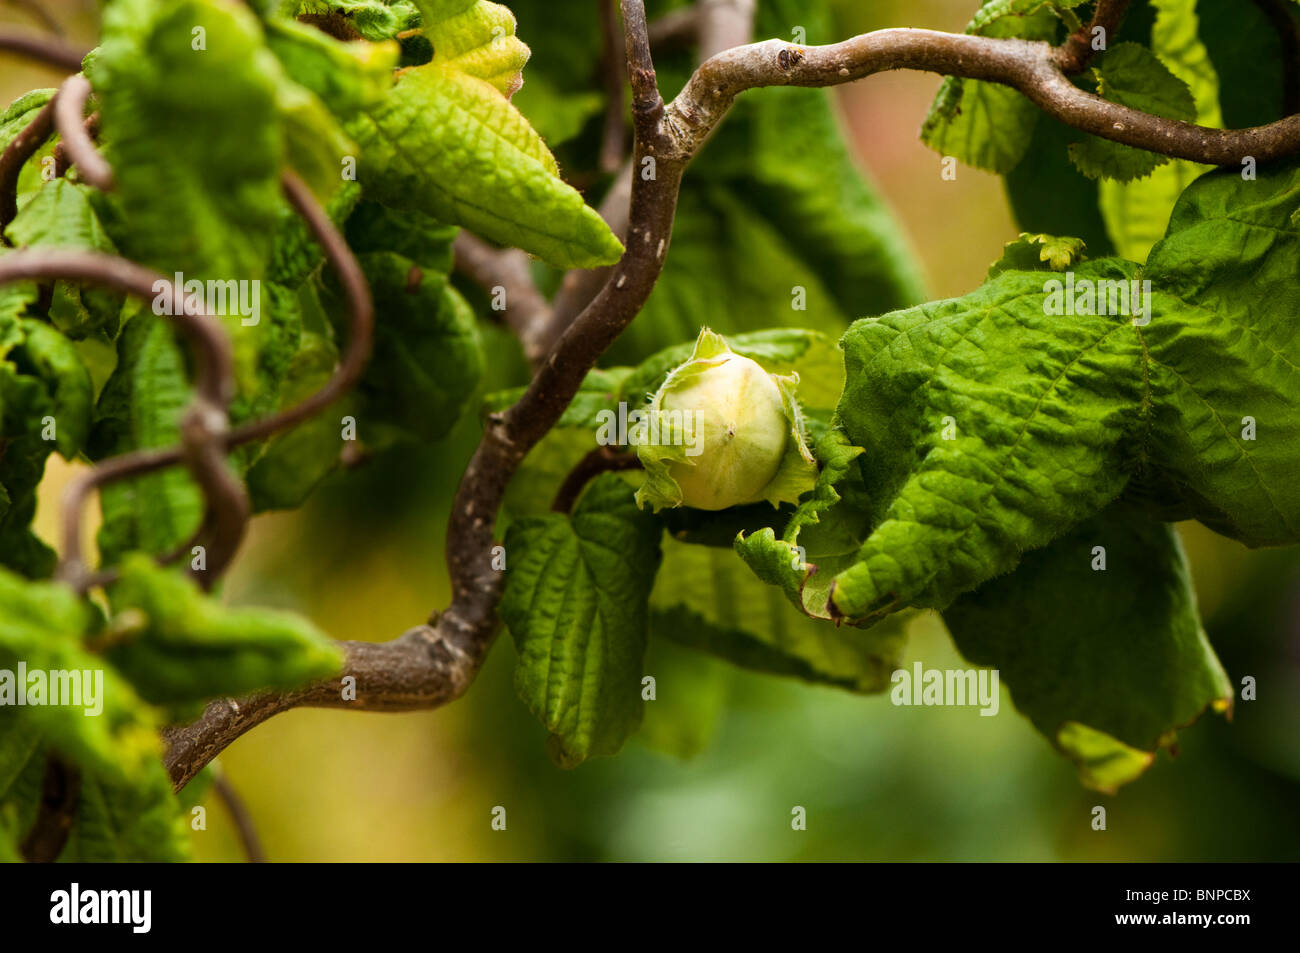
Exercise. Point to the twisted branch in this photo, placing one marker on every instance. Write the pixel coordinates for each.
(50, 50)
(77, 147)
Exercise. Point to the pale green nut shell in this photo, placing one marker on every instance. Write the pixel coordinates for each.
(741, 432)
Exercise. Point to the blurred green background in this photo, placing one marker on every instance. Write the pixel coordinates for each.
(364, 560)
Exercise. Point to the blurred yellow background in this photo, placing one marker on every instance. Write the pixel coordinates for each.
(363, 560)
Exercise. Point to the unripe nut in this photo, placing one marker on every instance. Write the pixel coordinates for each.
(740, 432)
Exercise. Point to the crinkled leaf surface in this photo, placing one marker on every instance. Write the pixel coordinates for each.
(991, 426)
(176, 644)
(447, 141)
(1133, 76)
(1099, 629)
(985, 124)
(576, 602)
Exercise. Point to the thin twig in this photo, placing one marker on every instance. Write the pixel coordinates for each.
(50, 50)
(38, 13)
(62, 161)
(615, 134)
(70, 121)
(1074, 55)
(675, 29)
(242, 819)
(507, 270)
(724, 24)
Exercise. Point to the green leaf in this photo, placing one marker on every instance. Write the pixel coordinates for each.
(116, 823)
(448, 143)
(705, 599)
(139, 407)
(197, 175)
(373, 19)
(347, 77)
(803, 567)
(101, 723)
(295, 461)
(476, 38)
(994, 423)
(1131, 75)
(575, 602)
(197, 202)
(1114, 645)
(984, 124)
(14, 120)
(428, 358)
(45, 403)
(177, 645)
(60, 215)
(424, 240)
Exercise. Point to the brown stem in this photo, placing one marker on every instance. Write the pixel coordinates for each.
(1074, 55)
(242, 819)
(615, 134)
(508, 269)
(49, 50)
(38, 13)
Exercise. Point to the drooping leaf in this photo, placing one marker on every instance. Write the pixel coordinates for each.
(99, 721)
(178, 645)
(45, 404)
(477, 38)
(346, 77)
(1099, 629)
(996, 422)
(576, 600)
(372, 19)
